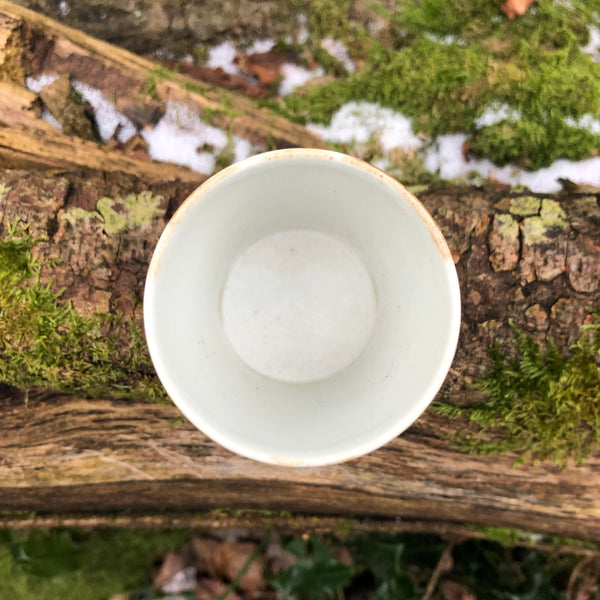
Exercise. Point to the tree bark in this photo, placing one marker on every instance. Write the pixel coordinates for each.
(530, 259)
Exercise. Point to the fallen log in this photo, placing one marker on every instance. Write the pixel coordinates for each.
(96, 214)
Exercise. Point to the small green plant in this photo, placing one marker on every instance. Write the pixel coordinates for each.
(46, 342)
(540, 404)
(316, 574)
(385, 558)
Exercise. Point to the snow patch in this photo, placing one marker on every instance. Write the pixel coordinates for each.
(446, 40)
(260, 46)
(446, 157)
(593, 46)
(496, 113)
(63, 8)
(339, 51)
(37, 84)
(360, 122)
(47, 116)
(181, 136)
(108, 118)
(589, 122)
(222, 56)
(294, 76)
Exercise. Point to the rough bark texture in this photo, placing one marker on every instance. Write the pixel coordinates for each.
(68, 454)
(534, 260)
(32, 44)
(148, 25)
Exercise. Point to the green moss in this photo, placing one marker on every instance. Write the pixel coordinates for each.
(447, 61)
(45, 342)
(540, 404)
(155, 76)
(47, 564)
(507, 536)
(227, 155)
(510, 537)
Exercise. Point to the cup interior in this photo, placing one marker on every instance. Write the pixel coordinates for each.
(399, 338)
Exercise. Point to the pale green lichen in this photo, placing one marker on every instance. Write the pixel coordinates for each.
(138, 210)
(525, 206)
(541, 229)
(507, 227)
(4, 189)
(553, 214)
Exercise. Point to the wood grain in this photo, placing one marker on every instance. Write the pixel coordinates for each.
(533, 260)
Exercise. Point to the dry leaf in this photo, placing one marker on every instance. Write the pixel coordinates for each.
(512, 8)
(173, 563)
(265, 66)
(225, 560)
(209, 589)
(451, 590)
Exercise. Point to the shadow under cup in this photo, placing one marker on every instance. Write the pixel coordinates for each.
(302, 308)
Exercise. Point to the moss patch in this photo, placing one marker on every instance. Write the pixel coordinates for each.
(540, 404)
(45, 342)
(444, 62)
(58, 563)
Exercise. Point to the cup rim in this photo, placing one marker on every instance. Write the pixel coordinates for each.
(400, 424)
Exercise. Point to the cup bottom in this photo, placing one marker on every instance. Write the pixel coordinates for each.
(299, 306)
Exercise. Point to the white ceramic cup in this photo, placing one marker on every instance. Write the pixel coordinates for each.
(302, 308)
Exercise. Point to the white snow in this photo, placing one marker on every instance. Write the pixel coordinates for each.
(589, 122)
(260, 46)
(360, 122)
(63, 8)
(223, 56)
(301, 31)
(180, 136)
(294, 76)
(47, 116)
(37, 84)
(495, 113)
(339, 50)
(446, 40)
(593, 46)
(108, 118)
(446, 156)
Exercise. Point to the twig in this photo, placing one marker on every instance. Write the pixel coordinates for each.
(443, 566)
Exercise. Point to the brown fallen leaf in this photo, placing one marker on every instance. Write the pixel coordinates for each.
(512, 8)
(173, 563)
(225, 561)
(452, 590)
(209, 589)
(265, 66)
